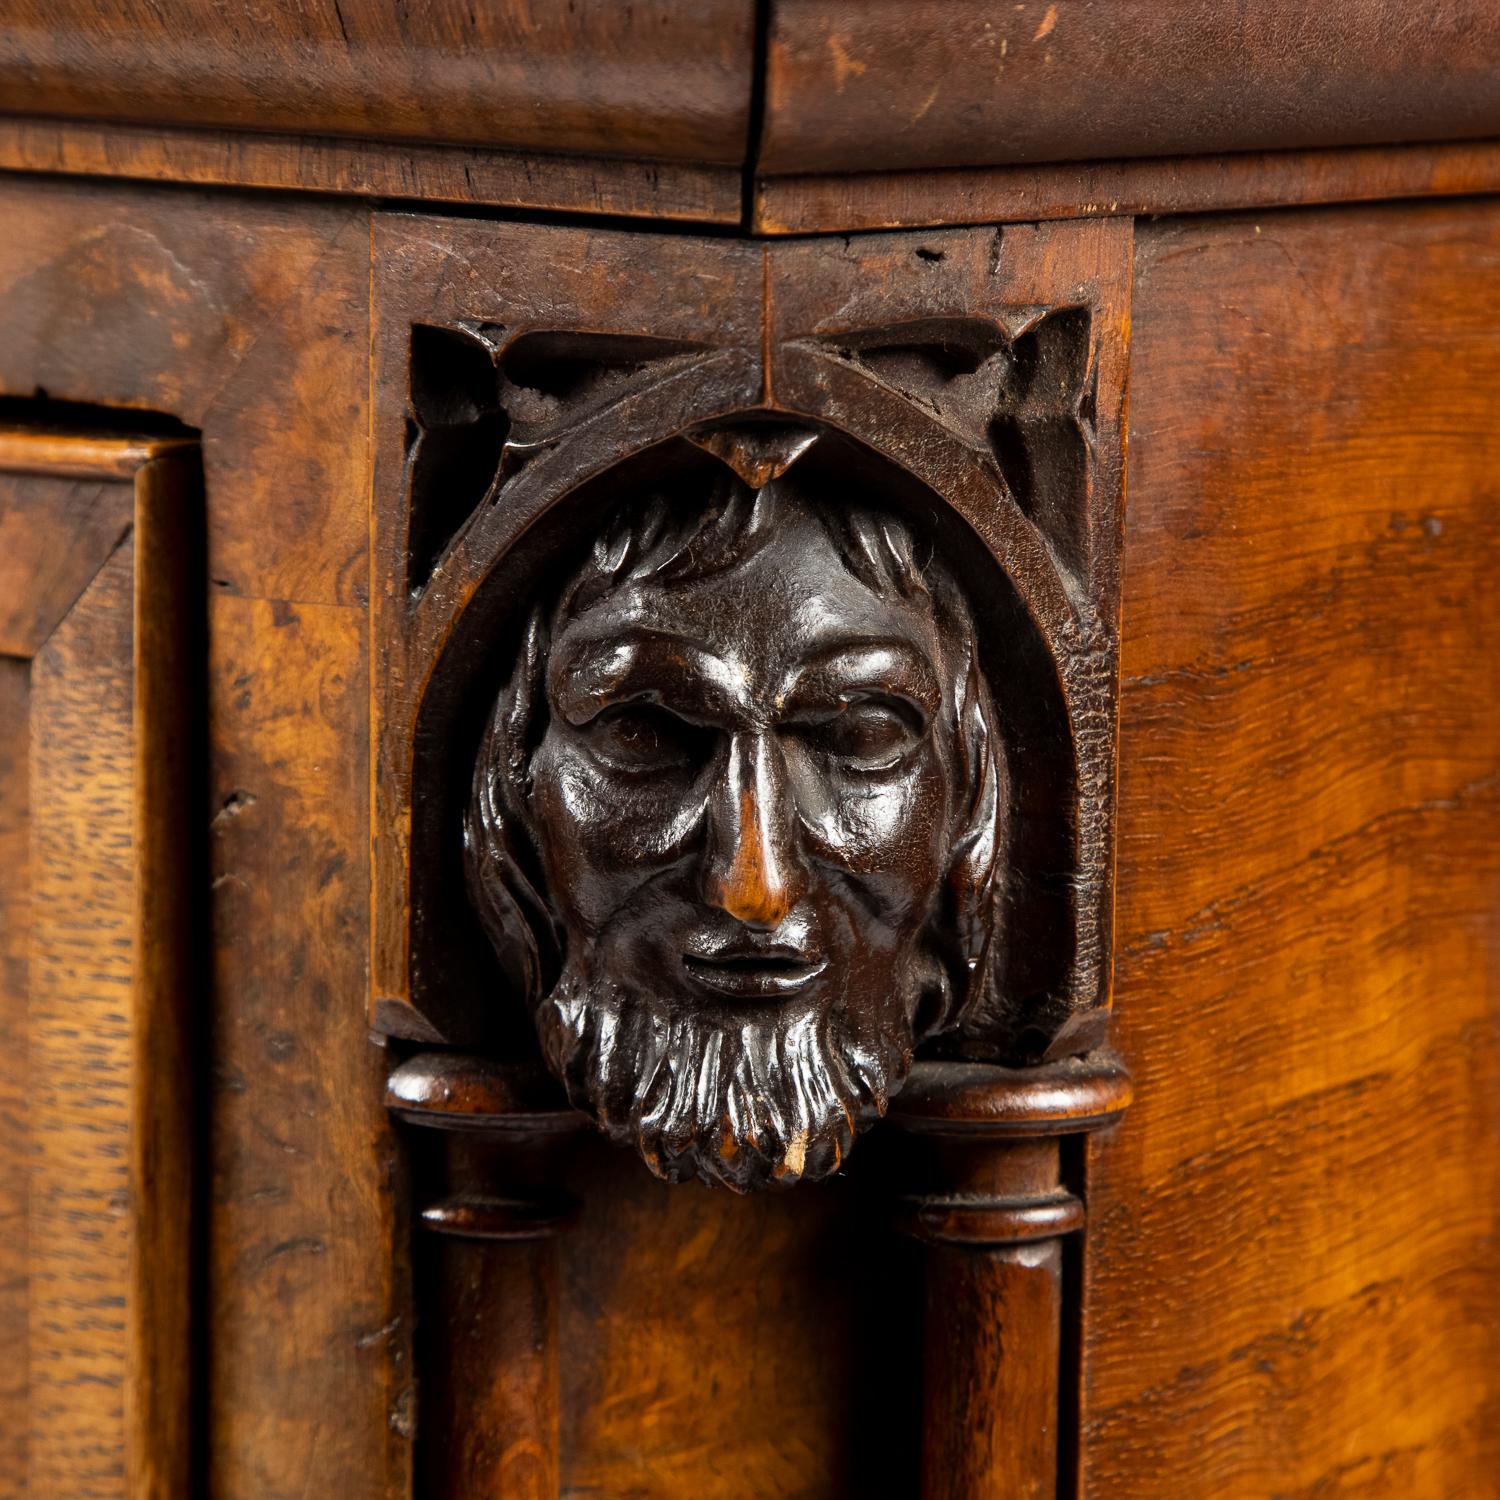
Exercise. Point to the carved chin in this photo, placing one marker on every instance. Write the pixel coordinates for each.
(747, 1103)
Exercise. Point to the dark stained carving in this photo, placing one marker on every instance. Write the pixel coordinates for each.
(731, 854)
(736, 820)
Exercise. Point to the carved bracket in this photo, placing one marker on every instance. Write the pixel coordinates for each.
(745, 628)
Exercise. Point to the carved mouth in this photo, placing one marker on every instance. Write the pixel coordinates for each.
(752, 975)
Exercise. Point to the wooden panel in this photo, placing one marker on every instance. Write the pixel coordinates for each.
(309, 1391)
(79, 1063)
(96, 1271)
(657, 78)
(54, 536)
(727, 1348)
(891, 84)
(1295, 1240)
(15, 928)
(1087, 190)
(248, 318)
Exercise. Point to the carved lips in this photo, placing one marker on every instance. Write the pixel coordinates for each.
(752, 974)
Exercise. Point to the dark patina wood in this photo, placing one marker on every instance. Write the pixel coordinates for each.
(985, 369)
(491, 1356)
(988, 1178)
(887, 85)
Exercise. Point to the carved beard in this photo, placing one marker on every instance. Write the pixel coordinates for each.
(748, 1103)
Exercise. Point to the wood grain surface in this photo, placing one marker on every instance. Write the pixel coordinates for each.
(728, 1348)
(55, 535)
(841, 203)
(1292, 1278)
(247, 319)
(656, 78)
(97, 1204)
(892, 84)
(15, 933)
(535, 181)
(79, 1025)
(1295, 1233)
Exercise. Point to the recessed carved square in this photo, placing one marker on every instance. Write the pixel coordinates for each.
(747, 623)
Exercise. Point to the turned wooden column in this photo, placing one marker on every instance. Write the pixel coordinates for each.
(985, 1180)
(488, 1279)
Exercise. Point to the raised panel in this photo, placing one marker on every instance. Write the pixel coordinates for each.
(96, 1275)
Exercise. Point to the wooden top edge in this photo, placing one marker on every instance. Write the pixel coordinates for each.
(552, 104)
(1060, 1098)
(660, 79)
(876, 201)
(68, 455)
(947, 83)
(455, 175)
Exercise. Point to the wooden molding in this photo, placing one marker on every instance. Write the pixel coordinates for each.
(916, 84)
(660, 79)
(689, 191)
(843, 203)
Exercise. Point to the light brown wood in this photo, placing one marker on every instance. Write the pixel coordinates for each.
(248, 325)
(100, 967)
(79, 1023)
(247, 319)
(1292, 1272)
(15, 928)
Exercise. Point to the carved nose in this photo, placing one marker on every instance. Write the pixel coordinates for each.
(751, 871)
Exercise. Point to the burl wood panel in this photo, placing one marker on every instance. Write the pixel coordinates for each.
(247, 319)
(1295, 1239)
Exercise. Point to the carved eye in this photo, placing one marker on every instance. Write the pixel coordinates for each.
(871, 736)
(643, 738)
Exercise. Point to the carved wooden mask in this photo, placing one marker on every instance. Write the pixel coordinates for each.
(748, 620)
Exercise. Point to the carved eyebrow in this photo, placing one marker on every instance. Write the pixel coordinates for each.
(889, 667)
(642, 665)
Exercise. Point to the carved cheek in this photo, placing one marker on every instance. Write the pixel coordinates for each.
(877, 826)
(599, 831)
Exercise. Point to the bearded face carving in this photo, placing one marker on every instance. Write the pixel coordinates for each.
(735, 826)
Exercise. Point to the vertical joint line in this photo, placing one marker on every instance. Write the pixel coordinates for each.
(767, 391)
(756, 123)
